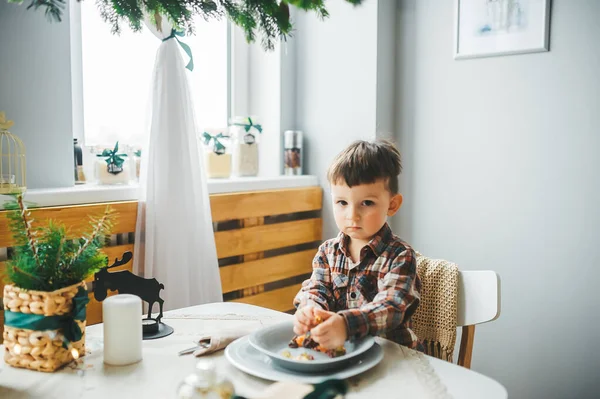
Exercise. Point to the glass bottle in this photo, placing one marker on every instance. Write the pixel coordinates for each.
(245, 135)
(217, 155)
(78, 153)
(292, 153)
(205, 383)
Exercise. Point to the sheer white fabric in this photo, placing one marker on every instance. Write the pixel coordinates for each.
(174, 237)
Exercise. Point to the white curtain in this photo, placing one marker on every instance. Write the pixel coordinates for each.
(174, 239)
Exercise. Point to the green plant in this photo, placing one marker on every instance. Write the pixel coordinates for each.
(45, 258)
(269, 17)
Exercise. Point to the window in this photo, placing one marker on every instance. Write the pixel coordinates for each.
(117, 78)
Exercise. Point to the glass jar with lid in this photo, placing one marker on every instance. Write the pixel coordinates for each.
(112, 166)
(137, 162)
(217, 154)
(245, 132)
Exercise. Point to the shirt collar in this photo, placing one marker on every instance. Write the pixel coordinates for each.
(377, 244)
(380, 240)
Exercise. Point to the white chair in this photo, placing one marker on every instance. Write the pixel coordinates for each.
(478, 302)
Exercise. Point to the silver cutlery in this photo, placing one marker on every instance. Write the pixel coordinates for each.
(201, 345)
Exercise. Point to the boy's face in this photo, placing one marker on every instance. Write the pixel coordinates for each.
(361, 211)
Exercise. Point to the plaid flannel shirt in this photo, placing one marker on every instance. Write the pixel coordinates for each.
(376, 296)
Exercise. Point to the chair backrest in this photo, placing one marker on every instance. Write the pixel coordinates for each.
(479, 297)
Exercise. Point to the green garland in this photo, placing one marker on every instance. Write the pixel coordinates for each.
(270, 18)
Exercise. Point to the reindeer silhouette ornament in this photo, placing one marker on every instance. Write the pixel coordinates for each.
(125, 282)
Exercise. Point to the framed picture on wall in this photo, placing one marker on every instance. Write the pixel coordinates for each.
(485, 28)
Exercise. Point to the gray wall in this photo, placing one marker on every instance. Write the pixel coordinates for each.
(337, 92)
(35, 91)
(501, 171)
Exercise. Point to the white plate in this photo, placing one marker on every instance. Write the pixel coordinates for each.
(246, 358)
(274, 340)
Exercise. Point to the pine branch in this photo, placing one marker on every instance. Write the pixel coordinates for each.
(270, 18)
(100, 227)
(59, 251)
(54, 8)
(15, 270)
(29, 232)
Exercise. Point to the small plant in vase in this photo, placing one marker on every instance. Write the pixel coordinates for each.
(45, 298)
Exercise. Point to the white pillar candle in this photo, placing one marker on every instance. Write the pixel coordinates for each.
(122, 316)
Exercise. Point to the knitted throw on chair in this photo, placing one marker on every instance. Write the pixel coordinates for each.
(434, 321)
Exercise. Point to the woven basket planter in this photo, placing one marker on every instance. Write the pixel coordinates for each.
(40, 350)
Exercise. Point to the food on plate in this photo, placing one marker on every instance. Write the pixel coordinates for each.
(304, 356)
(306, 341)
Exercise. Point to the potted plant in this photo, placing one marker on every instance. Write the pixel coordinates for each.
(45, 298)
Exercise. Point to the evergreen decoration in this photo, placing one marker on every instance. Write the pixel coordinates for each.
(45, 259)
(269, 18)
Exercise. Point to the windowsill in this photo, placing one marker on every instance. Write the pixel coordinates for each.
(94, 193)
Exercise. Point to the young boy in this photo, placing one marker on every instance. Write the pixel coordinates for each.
(364, 281)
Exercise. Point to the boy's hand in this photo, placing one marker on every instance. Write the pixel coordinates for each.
(304, 320)
(331, 333)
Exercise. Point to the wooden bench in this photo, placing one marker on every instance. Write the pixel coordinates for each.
(265, 241)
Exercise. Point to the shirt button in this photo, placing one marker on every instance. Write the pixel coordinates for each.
(353, 295)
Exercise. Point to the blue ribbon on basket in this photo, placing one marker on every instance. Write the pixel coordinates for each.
(66, 323)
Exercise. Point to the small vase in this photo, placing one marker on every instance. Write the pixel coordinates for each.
(40, 350)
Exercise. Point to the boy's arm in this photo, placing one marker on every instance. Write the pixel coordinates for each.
(316, 291)
(394, 303)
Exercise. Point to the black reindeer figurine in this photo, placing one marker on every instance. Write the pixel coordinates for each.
(125, 282)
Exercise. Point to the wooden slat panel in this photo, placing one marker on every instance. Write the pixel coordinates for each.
(253, 222)
(263, 238)
(256, 289)
(2, 277)
(280, 299)
(265, 203)
(76, 218)
(262, 271)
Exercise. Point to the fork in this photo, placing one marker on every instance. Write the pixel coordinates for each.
(201, 345)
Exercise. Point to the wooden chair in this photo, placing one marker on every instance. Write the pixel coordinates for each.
(478, 302)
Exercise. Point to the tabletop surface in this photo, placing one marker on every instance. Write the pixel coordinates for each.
(162, 370)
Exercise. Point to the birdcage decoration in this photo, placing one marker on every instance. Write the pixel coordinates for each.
(12, 160)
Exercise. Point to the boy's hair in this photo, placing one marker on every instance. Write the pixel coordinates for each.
(365, 162)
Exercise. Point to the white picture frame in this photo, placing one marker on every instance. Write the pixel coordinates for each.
(487, 28)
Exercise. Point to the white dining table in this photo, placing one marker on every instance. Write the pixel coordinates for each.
(401, 373)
